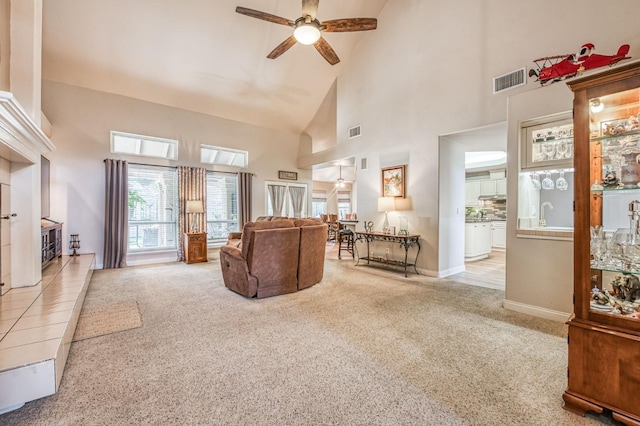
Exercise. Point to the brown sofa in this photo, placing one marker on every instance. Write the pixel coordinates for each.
(274, 257)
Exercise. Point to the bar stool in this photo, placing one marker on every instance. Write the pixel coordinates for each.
(345, 236)
(334, 227)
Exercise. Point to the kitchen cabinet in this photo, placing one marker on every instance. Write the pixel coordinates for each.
(477, 240)
(499, 234)
(483, 188)
(604, 331)
(487, 188)
(471, 193)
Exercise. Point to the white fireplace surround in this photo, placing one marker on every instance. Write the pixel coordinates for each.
(22, 142)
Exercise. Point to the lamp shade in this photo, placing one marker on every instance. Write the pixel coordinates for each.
(386, 204)
(403, 203)
(195, 206)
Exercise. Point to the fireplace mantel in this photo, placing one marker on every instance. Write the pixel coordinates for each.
(22, 139)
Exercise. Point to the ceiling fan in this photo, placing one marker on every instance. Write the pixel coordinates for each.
(341, 182)
(307, 29)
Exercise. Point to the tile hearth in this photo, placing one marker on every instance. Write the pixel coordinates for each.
(36, 328)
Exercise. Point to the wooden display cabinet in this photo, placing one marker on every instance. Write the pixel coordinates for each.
(604, 331)
(195, 247)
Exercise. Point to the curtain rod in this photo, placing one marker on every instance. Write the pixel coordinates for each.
(143, 164)
(175, 167)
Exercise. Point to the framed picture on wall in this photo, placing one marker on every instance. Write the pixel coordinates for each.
(287, 175)
(393, 181)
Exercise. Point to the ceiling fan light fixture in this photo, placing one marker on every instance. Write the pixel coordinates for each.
(306, 33)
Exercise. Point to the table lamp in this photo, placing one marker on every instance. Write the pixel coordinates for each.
(194, 207)
(386, 204)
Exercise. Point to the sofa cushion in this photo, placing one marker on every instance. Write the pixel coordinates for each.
(269, 218)
(310, 221)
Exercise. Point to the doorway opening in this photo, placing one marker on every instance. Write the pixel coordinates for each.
(473, 206)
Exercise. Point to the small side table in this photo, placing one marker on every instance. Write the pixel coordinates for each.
(195, 247)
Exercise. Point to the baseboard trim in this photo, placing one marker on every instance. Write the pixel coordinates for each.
(428, 272)
(536, 311)
(452, 271)
(474, 258)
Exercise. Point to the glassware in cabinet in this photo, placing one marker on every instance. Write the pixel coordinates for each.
(614, 140)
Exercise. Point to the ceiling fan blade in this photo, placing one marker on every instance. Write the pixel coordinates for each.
(350, 24)
(310, 7)
(264, 16)
(282, 47)
(326, 51)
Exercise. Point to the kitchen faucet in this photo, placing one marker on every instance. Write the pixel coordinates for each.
(542, 206)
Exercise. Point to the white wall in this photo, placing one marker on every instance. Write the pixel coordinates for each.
(82, 120)
(539, 272)
(323, 124)
(5, 40)
(26, 55)
(427, 71)
(452, 213)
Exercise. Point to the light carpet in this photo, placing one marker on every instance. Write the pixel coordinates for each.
(364, 347)
(108, 319)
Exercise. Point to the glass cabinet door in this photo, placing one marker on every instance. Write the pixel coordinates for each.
(548, 144)
(614, 135)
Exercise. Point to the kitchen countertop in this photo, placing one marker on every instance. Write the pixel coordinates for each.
(478, 220)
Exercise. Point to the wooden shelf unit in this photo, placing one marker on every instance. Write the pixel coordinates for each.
(51, 239)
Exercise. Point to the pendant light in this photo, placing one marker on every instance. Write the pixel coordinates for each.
(340, 181)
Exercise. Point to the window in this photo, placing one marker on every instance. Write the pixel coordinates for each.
(223, 156)
(293, 197)
(153, 208)
(318, 203)
(222, 206)
(145, 146)
(344, 203)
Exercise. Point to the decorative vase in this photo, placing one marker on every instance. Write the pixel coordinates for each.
(630, 173)
(403, 225)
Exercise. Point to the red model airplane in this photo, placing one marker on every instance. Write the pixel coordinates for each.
(556, 68)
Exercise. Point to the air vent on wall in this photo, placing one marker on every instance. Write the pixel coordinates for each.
(363, 164)
(354, 132)
(509, 81)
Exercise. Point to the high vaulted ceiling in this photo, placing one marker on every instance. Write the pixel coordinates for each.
(198, 55)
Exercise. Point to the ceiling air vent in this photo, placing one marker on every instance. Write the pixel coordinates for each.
(354, 132)
(509, 81)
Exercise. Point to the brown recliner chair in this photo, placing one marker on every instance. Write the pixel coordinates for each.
(266, 263)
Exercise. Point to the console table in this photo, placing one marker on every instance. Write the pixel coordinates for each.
(405, 241)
